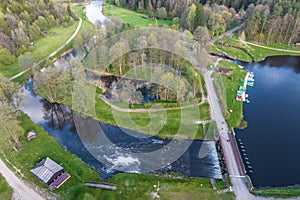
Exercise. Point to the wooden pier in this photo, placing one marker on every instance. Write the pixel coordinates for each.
(101, 185)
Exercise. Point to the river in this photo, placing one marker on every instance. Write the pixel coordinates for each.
(94, 12)
(271, 140)
(57, 120)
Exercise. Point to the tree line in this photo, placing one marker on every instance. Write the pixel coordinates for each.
(267, 21)
(23, 22)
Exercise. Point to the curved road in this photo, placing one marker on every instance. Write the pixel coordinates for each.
(53, 53)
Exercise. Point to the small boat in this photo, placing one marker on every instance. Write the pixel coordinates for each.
(242, 88)
(247, 95)
(239, 93)
(250, 84)
(251, 79)
(238, 98)
(247, 100)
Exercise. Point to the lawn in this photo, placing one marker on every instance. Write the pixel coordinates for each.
(139, 187)
(234, 48)
(46, 146)
(226, 87)
(164, 124)
(55, 38)
(131, 17)
(5, 190)
(285, 192)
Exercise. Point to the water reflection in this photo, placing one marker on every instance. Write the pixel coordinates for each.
(58, 121)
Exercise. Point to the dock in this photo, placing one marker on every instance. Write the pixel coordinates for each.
(101, 185)
(245, 86)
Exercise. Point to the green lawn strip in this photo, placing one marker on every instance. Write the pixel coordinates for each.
(5, 190)
(139, 187)
(45, 146)
(86, 24)
(131, 17)
(170, 120)
(285, 192)
(227, 87)
(237, 50)
(55, 38)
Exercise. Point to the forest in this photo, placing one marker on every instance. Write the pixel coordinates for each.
(267, 21)
(22, 22)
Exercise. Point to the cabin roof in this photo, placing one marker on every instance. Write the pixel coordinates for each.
(46, 169)
(224, 70)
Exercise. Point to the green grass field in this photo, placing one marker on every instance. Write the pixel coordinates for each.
(237, 50)
(287, 192)
(131, 17)
(139, 187)
(226, 87)
(170, 120)
(43, 47)
(46, 146)
(5, 190)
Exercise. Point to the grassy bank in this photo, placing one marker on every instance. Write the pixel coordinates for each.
(286, 192)
(236, 49)
(46, 146)
(131, 17)
(55, 38)
(139, 187)
(226, 87)
(170, 120)
(5, 190)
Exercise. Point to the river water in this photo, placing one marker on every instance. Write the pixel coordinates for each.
(94, 12)
(57, 120)
(271, 140)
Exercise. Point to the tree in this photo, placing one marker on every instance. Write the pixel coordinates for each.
(199, 16)
(161, 13)
(25, 60)
(202, 36)
(10, 129)
(6, 58)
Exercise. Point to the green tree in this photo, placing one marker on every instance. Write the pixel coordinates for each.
(199, 16)
(25, 60)
(6, 58)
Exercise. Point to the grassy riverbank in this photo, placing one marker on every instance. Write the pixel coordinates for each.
(169, 120)
(5, 190)
(226, 87)
(248, 52)
(284, 192)
(139, 187)
(46, 146)
(132, 17)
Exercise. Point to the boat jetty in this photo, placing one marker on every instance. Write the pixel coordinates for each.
(241, 93)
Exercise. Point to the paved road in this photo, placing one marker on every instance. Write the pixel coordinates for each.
(227, 33)
(53, 53)
(238, 181)
(21, 190)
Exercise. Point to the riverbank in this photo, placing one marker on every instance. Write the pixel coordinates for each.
(168, 186)
(226, 87)
(30, 152)
(237, 49)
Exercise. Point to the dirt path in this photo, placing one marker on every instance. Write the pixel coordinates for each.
(271, 48)
(21, 190)
(53, 53)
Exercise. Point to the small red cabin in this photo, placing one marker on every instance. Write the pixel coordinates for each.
(224, 71)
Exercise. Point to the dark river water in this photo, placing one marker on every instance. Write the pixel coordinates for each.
(272, 139)
(58, 121)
